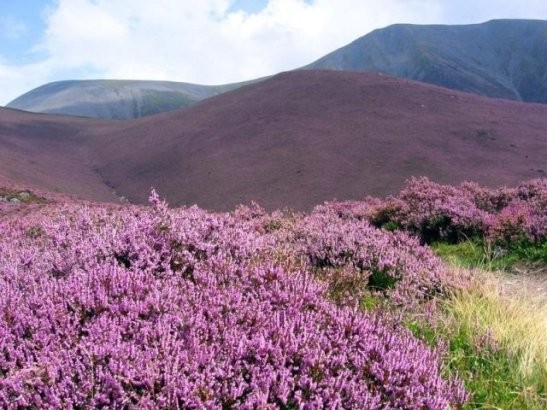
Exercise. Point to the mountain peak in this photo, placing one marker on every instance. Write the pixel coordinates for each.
(499, 58)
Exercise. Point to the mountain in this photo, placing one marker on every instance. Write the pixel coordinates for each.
(294, 140)
(500, 58)
(115, 99)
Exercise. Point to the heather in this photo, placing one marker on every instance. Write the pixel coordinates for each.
(502, 222)
(346, 306)
(392, 263)
(120, 307)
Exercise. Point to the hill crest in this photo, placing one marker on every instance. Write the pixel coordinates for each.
(295, 140)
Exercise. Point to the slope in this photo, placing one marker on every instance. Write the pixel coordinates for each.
(304, 137)
(114, 99)
(49, 152)
(295, 140)
(499, 58)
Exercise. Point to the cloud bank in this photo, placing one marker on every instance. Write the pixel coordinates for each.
(208, 42)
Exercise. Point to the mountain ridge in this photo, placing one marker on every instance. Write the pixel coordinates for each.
(499, 58)
(115, 99)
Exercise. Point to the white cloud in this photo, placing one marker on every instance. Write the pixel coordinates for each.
(204, 42)
(16, 80)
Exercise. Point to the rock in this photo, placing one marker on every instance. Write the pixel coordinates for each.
(24, 195)
(14, 200)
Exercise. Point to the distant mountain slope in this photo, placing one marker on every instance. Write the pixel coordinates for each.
(294, 140)
(49, 152)
(114, 99)
(500, 58)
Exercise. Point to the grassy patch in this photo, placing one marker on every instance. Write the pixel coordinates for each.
(371, 301)
(476, 254)
(530, 252)
(467, 254)
(495, 343)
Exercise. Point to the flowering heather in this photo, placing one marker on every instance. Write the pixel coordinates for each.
(156, 308)
(452, 213)
(517, 222)
(438, 211)
(393, 262)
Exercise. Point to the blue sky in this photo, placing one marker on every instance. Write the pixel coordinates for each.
(205, 41)
(252, 6)
(22, 24)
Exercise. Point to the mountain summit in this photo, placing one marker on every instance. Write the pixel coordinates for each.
(115, 99)
(499, 58)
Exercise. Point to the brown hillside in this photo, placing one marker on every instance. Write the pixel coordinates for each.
(295, 140)
(50, 152)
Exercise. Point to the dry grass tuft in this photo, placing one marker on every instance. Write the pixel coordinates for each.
(514, 319)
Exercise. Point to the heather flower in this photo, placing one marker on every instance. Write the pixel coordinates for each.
(518, 222)
(130, 307)
(392, 262)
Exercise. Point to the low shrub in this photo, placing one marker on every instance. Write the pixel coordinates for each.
(392, 262)
(157, 308)
(506, 217)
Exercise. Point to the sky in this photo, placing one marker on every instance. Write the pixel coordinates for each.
(203, 41)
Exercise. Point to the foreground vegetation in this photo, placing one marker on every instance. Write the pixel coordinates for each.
(478, 254)
(344, 307)
(510, 347)
(151, 307)
(495, 342)
(493, 333)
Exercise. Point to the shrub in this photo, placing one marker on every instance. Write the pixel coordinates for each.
(439, 212)
(155, 308)
(392, 262)
(513, 224)
(434, 212)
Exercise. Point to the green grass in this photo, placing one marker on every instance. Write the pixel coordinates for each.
(493, 340)
(371, 301)
(530, 252)
(496, 344)
(477, 254)
(491, 374)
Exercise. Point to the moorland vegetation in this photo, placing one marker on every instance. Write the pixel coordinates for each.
(379, 303)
